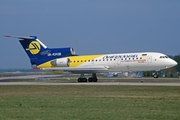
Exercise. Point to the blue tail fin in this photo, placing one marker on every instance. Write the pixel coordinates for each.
(34, 48)
(39, 52)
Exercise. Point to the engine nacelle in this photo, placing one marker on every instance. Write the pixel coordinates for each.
(61, 62)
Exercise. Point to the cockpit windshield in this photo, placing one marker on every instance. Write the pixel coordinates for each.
(164, 57)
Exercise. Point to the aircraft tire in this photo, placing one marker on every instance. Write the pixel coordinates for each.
(80, 80)
(95, 79)
(156, 76)
(84, 79)
(90, 79)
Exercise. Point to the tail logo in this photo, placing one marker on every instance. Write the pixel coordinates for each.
(34, 47)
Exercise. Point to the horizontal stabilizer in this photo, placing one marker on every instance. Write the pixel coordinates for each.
(22, 37)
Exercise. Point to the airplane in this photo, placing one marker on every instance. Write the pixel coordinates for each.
(60, 60)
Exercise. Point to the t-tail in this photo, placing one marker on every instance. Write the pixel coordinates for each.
(39, 53)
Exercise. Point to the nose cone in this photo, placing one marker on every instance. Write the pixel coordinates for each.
(173, 63)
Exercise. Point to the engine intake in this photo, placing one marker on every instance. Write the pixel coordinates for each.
(72, 51)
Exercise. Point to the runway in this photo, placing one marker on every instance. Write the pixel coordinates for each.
(12, 80)
(98, 83)
(29, 77)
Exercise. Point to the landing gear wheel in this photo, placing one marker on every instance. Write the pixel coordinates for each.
(79, 79)
(90, 79)
(95, 79)
(82, 79)
(156, 76)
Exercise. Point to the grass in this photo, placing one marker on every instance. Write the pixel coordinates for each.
(89, 103)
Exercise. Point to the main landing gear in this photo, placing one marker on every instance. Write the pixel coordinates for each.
(93, 78)
(155, 74)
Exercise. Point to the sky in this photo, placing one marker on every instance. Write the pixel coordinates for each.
(90, 27)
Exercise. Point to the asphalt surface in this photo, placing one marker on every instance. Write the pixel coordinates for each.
(7, 81)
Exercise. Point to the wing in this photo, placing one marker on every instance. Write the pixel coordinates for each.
(88, 69)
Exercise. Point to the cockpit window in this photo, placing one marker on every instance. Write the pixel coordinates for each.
(164, 57)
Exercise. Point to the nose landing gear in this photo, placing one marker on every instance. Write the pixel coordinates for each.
(155, 74)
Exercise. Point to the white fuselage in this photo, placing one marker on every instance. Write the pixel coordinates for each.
(144, 61)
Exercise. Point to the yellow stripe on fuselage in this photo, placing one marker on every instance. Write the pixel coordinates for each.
(78, 60)
(75, 61)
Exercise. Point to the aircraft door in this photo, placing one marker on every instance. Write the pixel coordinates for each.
(149, 59)
(118, 61)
